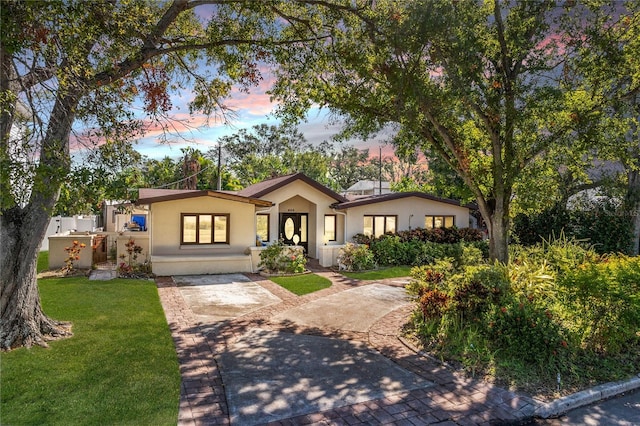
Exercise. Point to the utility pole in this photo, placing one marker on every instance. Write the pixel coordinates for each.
(380, 172)
(219, 166)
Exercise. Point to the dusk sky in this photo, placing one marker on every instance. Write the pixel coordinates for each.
(249, 109)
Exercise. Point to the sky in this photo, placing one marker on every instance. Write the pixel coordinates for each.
(249, 109)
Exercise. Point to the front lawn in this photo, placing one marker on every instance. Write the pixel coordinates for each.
(380, 274)
(120, 366)
(302, 284)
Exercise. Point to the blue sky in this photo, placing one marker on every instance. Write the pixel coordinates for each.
(249, 109)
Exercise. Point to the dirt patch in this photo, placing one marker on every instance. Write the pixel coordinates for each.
(62, 274)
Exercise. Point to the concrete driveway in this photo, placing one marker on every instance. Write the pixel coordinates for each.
(221, 297)
(272, 375)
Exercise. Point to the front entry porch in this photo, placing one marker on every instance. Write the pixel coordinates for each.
(294, 229)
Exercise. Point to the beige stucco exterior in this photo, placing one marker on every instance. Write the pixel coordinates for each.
(169, 257)
(300, 197)
(410, 213)
(293, 196)
(58, 254)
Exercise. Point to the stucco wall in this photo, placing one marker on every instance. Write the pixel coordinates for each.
(299, 197)
(403, 209)
(140, 239)
(58, 254)
(165, 223)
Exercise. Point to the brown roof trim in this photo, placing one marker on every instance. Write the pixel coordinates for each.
(263, 188)
(204, 193)
(394, 196)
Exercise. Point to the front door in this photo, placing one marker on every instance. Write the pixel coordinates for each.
(293, 229)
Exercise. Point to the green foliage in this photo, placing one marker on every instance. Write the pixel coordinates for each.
(526, 332)
(425, 246)
(602, 224)
(601, 302)
(280, 258)
(555, 307)
(356, 257)
(120, 366)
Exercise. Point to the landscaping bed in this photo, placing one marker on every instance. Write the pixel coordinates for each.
(557, 319)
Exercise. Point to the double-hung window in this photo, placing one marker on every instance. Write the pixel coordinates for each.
(379, 225)
(204, 228)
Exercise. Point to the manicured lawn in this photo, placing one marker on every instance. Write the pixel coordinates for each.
(43, 261)
(302, 284)
(120, 367)
(379, 274)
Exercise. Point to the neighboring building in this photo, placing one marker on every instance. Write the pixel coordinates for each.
(198, 232)
(368, 187)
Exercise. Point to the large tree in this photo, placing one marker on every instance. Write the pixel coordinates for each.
(480, 83)
(71, 64)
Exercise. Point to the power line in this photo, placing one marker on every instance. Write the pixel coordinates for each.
(181, 180)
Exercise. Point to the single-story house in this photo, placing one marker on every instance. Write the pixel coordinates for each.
(199, 232)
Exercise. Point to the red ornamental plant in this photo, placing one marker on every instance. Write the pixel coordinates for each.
(73, 254)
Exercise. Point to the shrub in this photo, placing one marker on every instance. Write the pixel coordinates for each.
(528, 333)
(281, 258)
(388, 250)
(602, 303)
(606, 226)
(433, 304)
(429, 277)
(73, 254)
(129, 266)
(477, 288)
(356, 257)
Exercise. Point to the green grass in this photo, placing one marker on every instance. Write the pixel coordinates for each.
(43, 261)
(302, 284)
(379, 274)
(120, 367)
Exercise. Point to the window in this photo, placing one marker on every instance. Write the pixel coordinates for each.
(379, 225)
(204, 228)
(262, 227)
(330, 227)
(431, 222)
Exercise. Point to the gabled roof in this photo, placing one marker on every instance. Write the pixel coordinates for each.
(265, 187)
(373, 199)
(172, 195)
(368, 185)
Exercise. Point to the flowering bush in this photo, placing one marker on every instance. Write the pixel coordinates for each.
(355, 257)
(129, 265)
(73, 254)
(280, 258)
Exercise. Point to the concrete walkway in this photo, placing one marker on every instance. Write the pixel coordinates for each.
(427, 392)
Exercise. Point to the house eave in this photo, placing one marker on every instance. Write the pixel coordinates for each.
(374, 199)
(205, 193)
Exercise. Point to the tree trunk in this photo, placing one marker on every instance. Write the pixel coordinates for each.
(22, 322)
(498, 238)
(496, 216)
(22, 228)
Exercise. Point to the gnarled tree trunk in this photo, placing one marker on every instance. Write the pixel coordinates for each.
(22, 228)
(22, 322)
